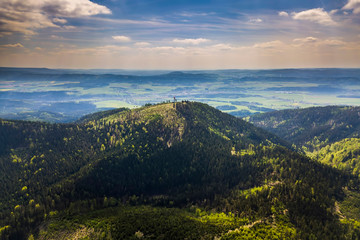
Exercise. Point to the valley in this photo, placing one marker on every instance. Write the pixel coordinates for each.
(61, 95)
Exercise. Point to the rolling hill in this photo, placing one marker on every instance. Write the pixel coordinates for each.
(327, 134)
(313, 127)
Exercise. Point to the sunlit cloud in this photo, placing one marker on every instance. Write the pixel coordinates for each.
(353, 5)
(317, 15)
(283, 14)
(121, 38)
(193, 41)
(269, 45)
(334, 42)
(59, 20)
(15, 45)
(69, 33)
(305, 40)
(56, 37)
(28, 16)
(142, 44)
(222, 47)
(332, 12)
(69, 27)
(256, 20)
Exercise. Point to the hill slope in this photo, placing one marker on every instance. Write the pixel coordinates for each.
(169, 155)
(328, 134)
(312, 127)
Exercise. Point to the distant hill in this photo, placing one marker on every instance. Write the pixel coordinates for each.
(99, 115)
(312, 127)
(329, 134)
(146, 172)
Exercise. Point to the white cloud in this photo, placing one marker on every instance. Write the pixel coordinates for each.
(56, 37)
(332, 12)
(69, 8)
(142, 44)
(2, 34)
(192, 41)
(353, 5)
(317, 15)
(28, 16)
(316, 42)
(221, 47)
(283, 14)
(121, 38)
(69, 27)
(305, 40)
(93, 51)
(59, 20)
(333, 42)
(269, 45)
(15, 45)
(194, 14)
(256, 20)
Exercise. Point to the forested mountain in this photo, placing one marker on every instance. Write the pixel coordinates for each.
(328, 134)
(166, 171)
(313, 127)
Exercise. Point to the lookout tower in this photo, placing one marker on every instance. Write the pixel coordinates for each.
(174, 103)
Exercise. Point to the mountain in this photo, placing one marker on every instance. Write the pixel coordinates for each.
(327, 134)
(344, 154)
(313, 127)
(172, 170)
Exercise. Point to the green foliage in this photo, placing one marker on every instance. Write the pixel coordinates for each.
(261, 231)
(344, 155)
(312, 127)
(126, 222)
(350, 206)
(165, 155)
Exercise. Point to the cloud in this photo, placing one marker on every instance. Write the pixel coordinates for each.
(2, 34)
(195, 14)
(353, 5)
(121, 38)
(305, 40)
(315, 42)
(15, 45)
(59, 20)
(332, 12)
(28, 16)
(317, 15)
(334, 42)
(269, 45)
(56, 37)
(256, 20)
(92, 51)
(69, 8)
(221, 47)
(192, 41)
(142, 44)
(283, 14)
(69, 27)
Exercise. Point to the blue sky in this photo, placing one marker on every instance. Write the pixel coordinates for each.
(174, 34)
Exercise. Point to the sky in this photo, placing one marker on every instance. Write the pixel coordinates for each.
(180, 34)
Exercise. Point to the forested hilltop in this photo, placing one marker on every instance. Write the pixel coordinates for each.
(166, 171)
(329, 134)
